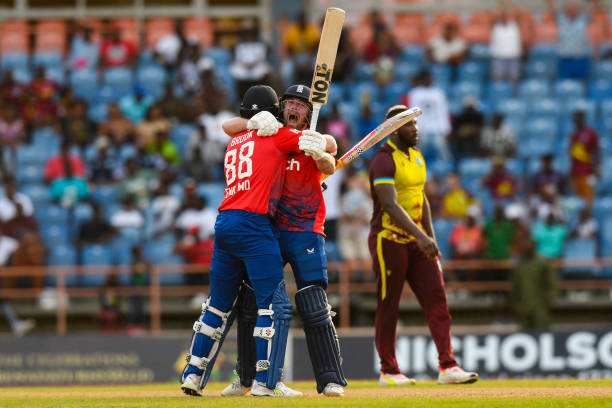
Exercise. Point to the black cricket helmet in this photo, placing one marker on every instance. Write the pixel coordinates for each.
(259, 98)
(301, 92)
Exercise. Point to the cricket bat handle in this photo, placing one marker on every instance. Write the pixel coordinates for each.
(315, 116)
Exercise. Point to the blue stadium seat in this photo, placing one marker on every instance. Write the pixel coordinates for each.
(479, 53)
(441, 74)
(49, 59)
(534, 88)
(98, 112)
(38, 193)
(440, 168)
(153, 79)
(162, 254)
(364, 71)
(585, 105)
(220, 55)
(516, 123)
(57, 74)
(126, 151)
(567, 89)
(362, 89)
(336, 93)
(96, 255)
(51, 214)
(543, 69)
(106, 94)
(538, 139)
(120, 79)
(443, 228)
(600, 89)
(180, 135)
(405, 71)
(394, 92)
(584, 249)
(498, 91)
(29, 155)
(22, 75)
(605, 183)
(54, 234)
(515, 166)
(603, 70)
(132, 236)
(542, 52)
(461, 89)
(14, 61)
(474, 168)
(30, 174)
(82, 213)
(84, 82)
(213, 192)
(62, 255)
(472, 71)
(543, 108)
(413, 54)
(105, 194)
(512, 107)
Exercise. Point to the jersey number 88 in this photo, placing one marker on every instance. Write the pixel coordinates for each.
(245, 165)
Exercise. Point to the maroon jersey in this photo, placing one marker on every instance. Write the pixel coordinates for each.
(255, 170)
(301, 206)
(584, 143)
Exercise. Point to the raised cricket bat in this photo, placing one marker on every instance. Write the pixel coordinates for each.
(326, 58)
(383, 130)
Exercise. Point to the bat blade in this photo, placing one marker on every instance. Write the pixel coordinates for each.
(326, 58)
(383, 130)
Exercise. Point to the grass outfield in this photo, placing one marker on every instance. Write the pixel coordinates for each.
(502, 394)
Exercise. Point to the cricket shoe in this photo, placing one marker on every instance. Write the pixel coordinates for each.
(333, 390)
(235, 389)
(456, 375)
(395, 379)
(191, 385)
(259, 389)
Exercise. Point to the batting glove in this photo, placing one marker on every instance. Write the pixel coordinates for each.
(265, 123)
(312, 143)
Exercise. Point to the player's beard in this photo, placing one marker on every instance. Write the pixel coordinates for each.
(294, 119)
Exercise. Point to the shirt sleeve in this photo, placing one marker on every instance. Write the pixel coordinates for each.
(382, 169)
(286, 140)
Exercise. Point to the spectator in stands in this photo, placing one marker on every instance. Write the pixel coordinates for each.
(433, 191)
(196, 213)
(8, 246)
(534, 288)
(299, 47)
(117, 127)
(547, 175)
(197, 168)
(110, 314)
(136, 182)
(434, 123)
(211, 153)
(11, 198)
(467, 242)
(586, 226)
(502, 184)
(499, 234)
(54, 168)
(165, 147)
(367, 122)
(498, 139)
(12, 134)
(584, 154)
(213, 119)
(153, 123)
(382, 46)
(77, 128)
(196, 249)
(546, 203)
(250, 65)
(95, 230)
(506, 46)
(354, 224)
(171, 47)
(127, 216)
(70, 189)
(84, 51)
(549, 236)
(140, 270)
(103, 168)
(116, 52)
(339, 127)
(457, 200)
(213, 91)
(172, 107)
(20, 224)
(573, 47)
(345, 58)
(467, 128)
(163, 208)
(448, 48)
(148, 161)
(188, 76)
(11, 91)
(42, 105)
(136, 105)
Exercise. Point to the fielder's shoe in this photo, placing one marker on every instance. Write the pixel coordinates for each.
(394, 379)
(333, 390)
(191, 385)
(259, 389)
(456, 375)
(235, 389)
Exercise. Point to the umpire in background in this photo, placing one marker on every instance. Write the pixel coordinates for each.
(403, 246)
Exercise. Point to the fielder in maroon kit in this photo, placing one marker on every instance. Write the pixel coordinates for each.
(403, 247)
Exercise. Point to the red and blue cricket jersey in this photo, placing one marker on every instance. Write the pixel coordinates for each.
(255, 170)
(301, 206)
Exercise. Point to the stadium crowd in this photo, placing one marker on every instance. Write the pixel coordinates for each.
(112, 150)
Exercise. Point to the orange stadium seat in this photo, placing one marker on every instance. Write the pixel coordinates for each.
(476, 33)
(548, 18)
(441, 19)
(481, 18)
(361, 33)
(597, 32)
(51, 35)
(406, 34)
(545, 33)
(409, 19)
(129, 28)
(14, 37)
(432, 31)
(156, 29)
(201, 30)
(95, 24)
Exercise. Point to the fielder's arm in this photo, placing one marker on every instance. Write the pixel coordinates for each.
(388, 197)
